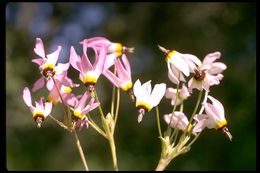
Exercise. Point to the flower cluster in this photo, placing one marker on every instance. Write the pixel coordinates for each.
(111, 61)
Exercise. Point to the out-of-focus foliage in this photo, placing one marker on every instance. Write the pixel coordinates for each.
(196, 28)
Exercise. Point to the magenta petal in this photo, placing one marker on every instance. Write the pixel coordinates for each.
(39, 48)
(38, 84)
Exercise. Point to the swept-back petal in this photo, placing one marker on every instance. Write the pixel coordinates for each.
(38, 84)
(53, 57)
(157, 94)
(39, 48)
(27, 96)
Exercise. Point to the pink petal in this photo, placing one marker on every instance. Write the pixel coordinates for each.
(38, 84)
(99, 63)
(50, 84)
(82, 102)
(126, 64)
(74, 59)
(146, 88)
(60, 68)
(111, 77)
(39, 48)
(39, 61)
(27, 96)
(53, 57)
(211, 57)
(218, 107)
(217, 67)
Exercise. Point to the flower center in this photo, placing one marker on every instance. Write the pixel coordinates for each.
(48, 71)
(199, 75)
(38, 118)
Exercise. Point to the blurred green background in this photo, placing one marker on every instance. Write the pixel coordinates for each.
(196, 28)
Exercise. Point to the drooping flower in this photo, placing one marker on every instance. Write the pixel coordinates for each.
(146, 99)
(214, 117)
(177, 98)
(179, 64)
(122, 78)
(79, 109)
(208, 73)
(40, 111)
(114, 50)
(47, 66)
(178, 120)
(89, 73)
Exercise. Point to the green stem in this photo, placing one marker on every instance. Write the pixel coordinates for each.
(59, 123)
(113, 150)
(158, 121)
(99, 107)
(94, 125)
(83, 159)
(117, 105)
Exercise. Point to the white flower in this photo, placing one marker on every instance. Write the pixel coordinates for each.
(146, 99)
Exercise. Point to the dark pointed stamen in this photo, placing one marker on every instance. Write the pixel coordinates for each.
(225, 130)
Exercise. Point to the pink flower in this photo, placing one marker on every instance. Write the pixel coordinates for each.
(80, 109)
(123, 78)
(47, 65)
(89, 73)
(146, 99)
(214, 117)
(177, 98)
(114, 49)
(64, 85)
(208, 73)
(40, 111)
(177, 120)
(179, 64)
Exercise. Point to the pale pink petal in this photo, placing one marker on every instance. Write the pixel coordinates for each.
(194, 84)
(180, 63)
(27, 96)
(53, 57)
(170, 93)
(157, 94)
(39, 61)
(82, 101)
(109, 61)
(217, 67)
(123, 74)
(193, 58)
(210, 58)
(50, 84)
(48, 108)
(38, 84)
(90, 107)
(218, 107)
(60, 68)
(39, 48)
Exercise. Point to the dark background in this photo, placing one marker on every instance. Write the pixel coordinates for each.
(196, 28)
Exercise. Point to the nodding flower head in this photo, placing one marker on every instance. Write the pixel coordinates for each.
(88, 72)
(80, 109)
(146, 98)
(40, 111)
(122, 77)
(214, 117)
(179, 64)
